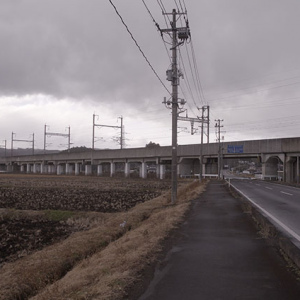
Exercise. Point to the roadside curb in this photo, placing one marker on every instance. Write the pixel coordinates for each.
(269, 230)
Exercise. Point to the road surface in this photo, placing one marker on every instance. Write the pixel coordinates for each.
(281, 203)
(218, 255)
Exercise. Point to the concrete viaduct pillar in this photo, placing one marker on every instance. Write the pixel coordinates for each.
(43, 168)
(271, 166)
(34, 168)
(100, 170)
(143, 170)
(112, 169)
(77, 169)
(59, 169)
(162, 171)
(127, 169)
(88, 170)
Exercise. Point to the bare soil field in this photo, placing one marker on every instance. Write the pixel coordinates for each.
(64, 237)
(76, 193)
(22, 232)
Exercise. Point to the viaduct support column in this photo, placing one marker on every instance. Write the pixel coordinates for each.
(112, 169)
(51, 169)
(289, 170)
(42, 168)
(59, 169)
(143, 170)
(28, 168)
(9, 167)
(69, 169)
(162, 171)
(127, 169)
(88, 170)
(99, 170)
(157, 171)
(202, 167)
(77, 169)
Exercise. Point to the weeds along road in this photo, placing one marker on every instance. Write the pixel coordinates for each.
(280, 203)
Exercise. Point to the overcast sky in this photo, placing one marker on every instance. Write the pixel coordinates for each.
(63, 60)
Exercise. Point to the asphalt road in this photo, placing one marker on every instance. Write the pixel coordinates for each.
(218, 255)
(281, 203)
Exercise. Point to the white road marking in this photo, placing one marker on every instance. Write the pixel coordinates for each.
(268, 188)
(289, 230)
(286, 193)
(257, 184)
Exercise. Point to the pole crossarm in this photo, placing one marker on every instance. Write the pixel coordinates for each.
(57, 134)
(198, 120)
(99, 125)
(28, 141)
(176, 29)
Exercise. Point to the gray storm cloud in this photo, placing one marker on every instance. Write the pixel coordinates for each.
(69, 49)
(80, 50)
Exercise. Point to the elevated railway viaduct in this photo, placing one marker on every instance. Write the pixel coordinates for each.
(270, 152)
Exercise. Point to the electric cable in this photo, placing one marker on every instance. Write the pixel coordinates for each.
(132, 37)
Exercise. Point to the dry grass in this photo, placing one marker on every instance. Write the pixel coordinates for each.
(100, 263)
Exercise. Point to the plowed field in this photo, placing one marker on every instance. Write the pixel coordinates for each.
(35, 211)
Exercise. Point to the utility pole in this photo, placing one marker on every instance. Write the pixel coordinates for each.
(66, 135)
(174, 108)
(109, 126)
(93, 140)
(17, 140)
(218, 127)
(173, 76)
(204, 119)
(121, 138)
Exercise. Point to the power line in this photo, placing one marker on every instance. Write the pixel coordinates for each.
(157, 25)
(249, 79)
(266, 104)
(198, 85)
(132, 37)
(256, 91)
(197, 73)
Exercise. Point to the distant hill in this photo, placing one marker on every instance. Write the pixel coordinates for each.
(77, 150)
(27, 151)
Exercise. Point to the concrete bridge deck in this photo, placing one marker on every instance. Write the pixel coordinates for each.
(191, 159)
